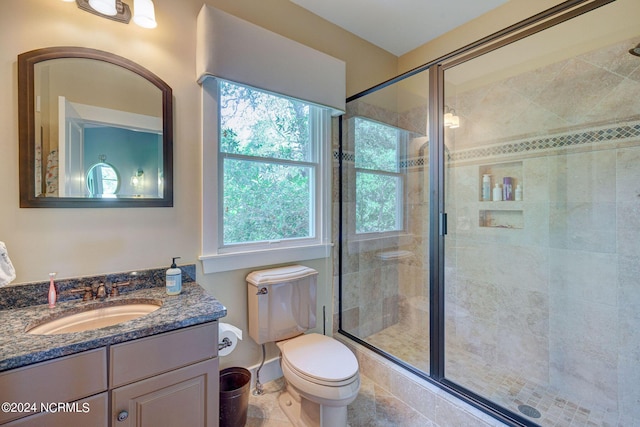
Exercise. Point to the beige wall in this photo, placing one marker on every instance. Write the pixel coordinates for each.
(508, 14)
(80, 242)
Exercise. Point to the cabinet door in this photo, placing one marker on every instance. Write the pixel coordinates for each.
(186, 397)
(65, 379)
(89, 412)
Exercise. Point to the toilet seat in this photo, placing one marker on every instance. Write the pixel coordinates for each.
(320, 359)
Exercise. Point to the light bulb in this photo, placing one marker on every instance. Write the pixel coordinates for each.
(455, 122)
(106, 7)
(144, 13)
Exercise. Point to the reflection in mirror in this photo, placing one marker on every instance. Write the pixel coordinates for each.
(102, 180)
(80, 105)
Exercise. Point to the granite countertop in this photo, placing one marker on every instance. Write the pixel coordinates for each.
(18, 348)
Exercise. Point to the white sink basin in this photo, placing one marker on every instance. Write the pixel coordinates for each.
(95, 318)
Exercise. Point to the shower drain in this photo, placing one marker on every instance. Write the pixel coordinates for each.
(529, 411)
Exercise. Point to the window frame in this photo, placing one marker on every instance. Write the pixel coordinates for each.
(216, 256)
(400, 174)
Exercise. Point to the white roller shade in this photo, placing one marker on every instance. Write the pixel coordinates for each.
(236, 50)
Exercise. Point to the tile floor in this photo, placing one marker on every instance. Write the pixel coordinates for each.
(374, 407)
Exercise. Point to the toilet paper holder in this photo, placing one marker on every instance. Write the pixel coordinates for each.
(228, 336)
(226, 342)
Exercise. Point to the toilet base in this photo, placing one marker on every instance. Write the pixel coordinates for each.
(305, 413)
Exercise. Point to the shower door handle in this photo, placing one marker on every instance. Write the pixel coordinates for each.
(443, 223)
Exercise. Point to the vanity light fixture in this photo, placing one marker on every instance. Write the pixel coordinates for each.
(450, 119)
(116, 10)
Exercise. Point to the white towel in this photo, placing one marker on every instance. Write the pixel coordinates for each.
(7, 272)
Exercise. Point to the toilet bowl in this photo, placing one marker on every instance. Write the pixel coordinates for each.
(321, 377)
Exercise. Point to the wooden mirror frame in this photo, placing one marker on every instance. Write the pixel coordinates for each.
(26, 119)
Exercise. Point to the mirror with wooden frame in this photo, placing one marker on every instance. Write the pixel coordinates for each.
(80, 109)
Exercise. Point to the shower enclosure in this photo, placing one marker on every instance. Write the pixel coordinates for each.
(523, 297)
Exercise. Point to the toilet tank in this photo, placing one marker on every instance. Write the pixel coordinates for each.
(282, 302)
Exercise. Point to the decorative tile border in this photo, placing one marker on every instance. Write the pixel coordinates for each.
(605, 134)
(404, 164)
(600, 135)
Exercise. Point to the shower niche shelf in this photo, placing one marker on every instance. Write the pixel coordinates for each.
(507, 214)
(498, 171)
(501, 218)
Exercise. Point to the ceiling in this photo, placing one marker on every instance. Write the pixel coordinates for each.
(399, 26)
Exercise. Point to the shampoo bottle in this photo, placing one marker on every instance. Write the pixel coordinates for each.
(497, 193)
(518, 192)
(174, 279)
(507, 189)
(52, 291)
(486, 187)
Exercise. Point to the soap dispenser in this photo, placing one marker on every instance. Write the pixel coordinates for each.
(52, 296)
(174, 278)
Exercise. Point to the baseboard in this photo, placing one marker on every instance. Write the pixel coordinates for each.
(270, 371)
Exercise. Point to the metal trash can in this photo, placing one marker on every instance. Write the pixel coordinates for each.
(234, 396)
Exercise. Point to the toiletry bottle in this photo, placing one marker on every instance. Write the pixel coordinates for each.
(486, 187)
(497, 193)
(518, 192)
(52, 291)
(174, 279)
(507, 189)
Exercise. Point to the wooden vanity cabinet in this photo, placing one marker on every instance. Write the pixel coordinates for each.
(97, 414)
(185, 397)
(165, 380)
(66, 379)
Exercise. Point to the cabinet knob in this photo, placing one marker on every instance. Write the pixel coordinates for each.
(123, 415)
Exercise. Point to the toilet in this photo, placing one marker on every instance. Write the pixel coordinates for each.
(321, 373)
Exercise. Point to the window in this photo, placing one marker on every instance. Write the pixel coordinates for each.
(271, 191)
(379, 181)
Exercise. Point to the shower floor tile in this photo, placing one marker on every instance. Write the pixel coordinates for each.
(505, 387)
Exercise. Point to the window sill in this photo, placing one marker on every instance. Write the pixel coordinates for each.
(377, 242)
(234, 261)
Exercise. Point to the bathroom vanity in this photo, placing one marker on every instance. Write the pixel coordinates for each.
(158, 370)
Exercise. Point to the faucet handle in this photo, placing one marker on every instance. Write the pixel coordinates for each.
(88, 292)
(114, 288)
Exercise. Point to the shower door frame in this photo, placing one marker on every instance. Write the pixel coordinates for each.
(438, 216)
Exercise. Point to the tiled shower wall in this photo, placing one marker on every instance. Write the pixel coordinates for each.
(557, 296)
(376, 290)
(558, 299)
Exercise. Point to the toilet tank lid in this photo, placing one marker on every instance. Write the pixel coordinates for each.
(279, 275)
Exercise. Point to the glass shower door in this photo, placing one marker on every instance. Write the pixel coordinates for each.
(542, 196)
(385, 221)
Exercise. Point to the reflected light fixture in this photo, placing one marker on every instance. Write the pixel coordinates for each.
(137, 180)
(116, 10)
(451, 121)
